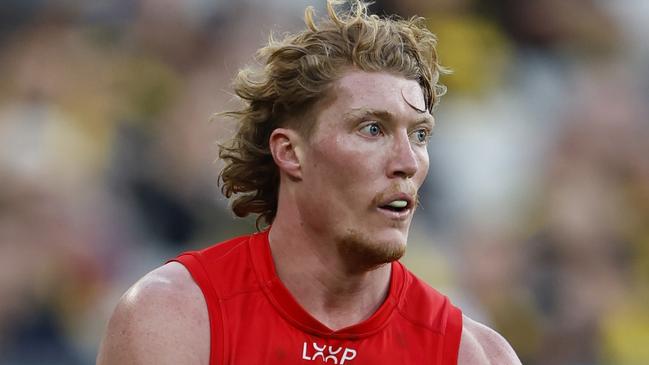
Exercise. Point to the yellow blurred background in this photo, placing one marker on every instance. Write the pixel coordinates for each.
(534, 217)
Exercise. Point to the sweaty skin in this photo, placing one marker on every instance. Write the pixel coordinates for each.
(420, 108)
(368, 149)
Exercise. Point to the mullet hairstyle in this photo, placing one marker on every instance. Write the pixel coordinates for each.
(297, 72)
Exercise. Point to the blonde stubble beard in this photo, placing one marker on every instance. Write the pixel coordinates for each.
(360, 253)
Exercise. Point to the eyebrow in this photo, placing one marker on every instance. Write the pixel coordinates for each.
(360, 113)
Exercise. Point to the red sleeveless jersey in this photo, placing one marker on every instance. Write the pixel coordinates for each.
(254, 320)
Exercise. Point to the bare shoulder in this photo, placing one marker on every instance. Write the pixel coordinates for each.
(480, 345)
(161, 319)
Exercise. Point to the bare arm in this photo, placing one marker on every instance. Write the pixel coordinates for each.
(162, 319)
(480, 345)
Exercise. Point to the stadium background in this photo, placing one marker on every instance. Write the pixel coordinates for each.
(534, 218)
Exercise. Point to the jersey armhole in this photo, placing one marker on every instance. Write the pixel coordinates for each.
(452, 336)
(214, 311)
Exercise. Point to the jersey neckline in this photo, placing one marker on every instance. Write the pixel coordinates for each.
(292, 311)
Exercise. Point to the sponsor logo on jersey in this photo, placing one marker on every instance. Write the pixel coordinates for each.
(328, 354)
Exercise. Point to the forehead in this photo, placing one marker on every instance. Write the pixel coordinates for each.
(378, 90)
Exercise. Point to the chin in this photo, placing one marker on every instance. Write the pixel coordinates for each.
(367, 251)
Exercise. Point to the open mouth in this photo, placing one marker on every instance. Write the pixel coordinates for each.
(397, 206)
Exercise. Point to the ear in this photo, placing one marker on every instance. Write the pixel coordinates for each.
(284, 145)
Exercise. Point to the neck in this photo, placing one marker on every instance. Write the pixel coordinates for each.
(311, 268)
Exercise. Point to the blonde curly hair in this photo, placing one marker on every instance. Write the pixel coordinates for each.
(298, 71)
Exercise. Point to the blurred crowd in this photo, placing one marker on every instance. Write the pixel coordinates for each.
(534, 218)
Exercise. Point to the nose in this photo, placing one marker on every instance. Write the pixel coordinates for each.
(403, 160)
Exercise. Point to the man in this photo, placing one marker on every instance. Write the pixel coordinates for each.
(330, 153)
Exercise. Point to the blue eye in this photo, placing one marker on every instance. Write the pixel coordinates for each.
(372, 129)
(421, 136)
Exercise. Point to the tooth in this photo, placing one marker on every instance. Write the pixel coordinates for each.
(398, 204)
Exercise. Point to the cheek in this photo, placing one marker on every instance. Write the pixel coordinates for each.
(345, 167)
(328, 157)
(424, 164)
(340, 157)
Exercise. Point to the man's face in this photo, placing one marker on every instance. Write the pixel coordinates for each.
(364, 164)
